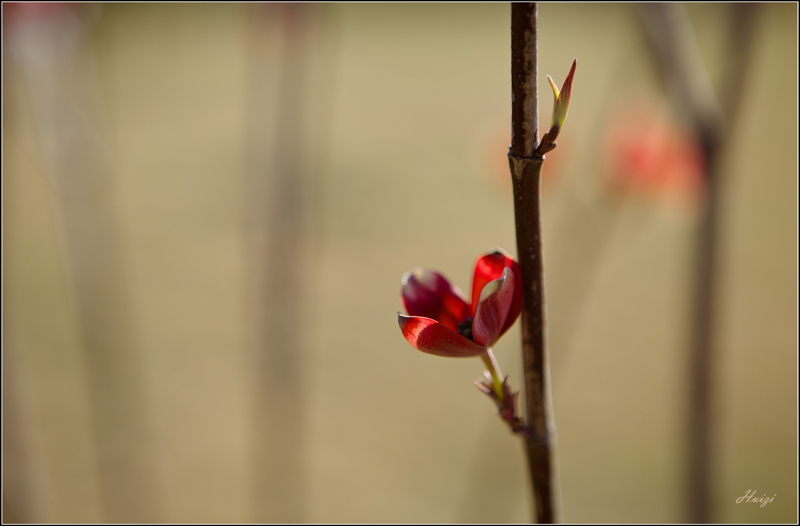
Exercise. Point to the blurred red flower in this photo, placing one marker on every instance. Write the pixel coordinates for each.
(12, 11)
(650, 156)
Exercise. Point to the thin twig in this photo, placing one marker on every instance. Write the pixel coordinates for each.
(526, 178)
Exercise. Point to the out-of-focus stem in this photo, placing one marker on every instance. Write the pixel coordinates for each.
(55, 53)
(526, 179)
(277, 205)
(678, 58)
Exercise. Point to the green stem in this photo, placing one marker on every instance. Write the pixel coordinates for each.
(497, 376)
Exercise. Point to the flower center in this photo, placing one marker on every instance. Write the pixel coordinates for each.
(465, 328)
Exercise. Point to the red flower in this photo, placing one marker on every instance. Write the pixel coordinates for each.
(440, 320)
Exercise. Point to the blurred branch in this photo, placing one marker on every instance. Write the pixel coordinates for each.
(55, 53)
(279, 222)
(678, 57)
(741, 40)
(22, 499)
(526, 179)
(681, 67)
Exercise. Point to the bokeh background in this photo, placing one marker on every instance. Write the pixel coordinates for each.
(207, 210)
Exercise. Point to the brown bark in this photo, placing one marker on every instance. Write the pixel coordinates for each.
(526, 179)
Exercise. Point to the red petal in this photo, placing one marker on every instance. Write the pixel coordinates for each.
(429, 294)
(493, 307)
(432, 337)
(489, 268)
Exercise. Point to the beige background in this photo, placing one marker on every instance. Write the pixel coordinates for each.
(406, 112)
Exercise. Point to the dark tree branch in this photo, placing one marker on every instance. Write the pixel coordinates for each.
(526, 178)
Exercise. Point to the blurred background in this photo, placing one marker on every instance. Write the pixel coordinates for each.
(207, 210)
